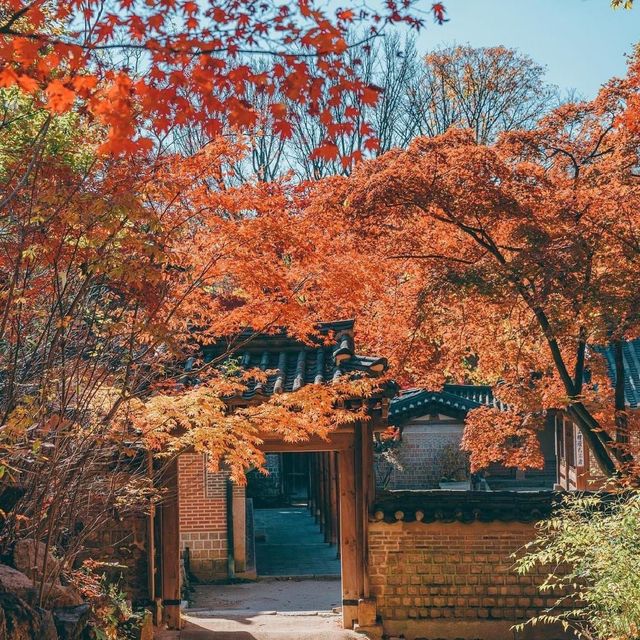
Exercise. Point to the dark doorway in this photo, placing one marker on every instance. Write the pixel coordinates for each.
(292, 526)
(295, 477)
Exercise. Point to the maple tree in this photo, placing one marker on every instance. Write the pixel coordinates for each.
(505, 264)
(115, 272)
(121, 258)
(194, 65)
(488, 90)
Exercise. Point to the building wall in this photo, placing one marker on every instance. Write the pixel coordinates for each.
(273, 464)
(122, 542)
(203, 516)
(453, 580)
(266, 488)
(577, 467)
(420, 452)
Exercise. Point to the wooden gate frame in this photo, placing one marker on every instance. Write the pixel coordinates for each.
(354, 446)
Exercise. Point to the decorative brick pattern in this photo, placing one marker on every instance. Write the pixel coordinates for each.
(452, 571)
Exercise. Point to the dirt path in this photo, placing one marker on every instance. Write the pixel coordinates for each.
(265, 610)
(267, 627)
(269, 595)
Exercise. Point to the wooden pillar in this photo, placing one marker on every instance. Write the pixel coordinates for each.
(316, 485)
(368, 495)
(322, 494)
(151, 539)
(327, 497)
(348, 537)
(310, 492)
(333, 497)
(336, 463)
(359, 473)
(170, 553)
(312, 483)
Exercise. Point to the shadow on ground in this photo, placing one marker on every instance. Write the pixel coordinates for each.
(270, 609)
(304, 607)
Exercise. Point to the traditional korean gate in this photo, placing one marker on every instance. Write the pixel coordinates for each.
(356, 492)
(296, 364)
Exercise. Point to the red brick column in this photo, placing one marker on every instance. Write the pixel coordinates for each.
(203, 517)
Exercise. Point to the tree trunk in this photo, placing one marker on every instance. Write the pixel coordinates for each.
(600, 442)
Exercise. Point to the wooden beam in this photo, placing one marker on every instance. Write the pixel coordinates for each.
(348, 538)
(338, 441)
(170, 552)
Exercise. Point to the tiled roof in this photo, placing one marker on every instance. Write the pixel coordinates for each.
(463, 506)
(457, 399)
(631, 355)
(294, 364)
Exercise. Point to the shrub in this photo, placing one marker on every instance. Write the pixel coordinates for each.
(590, 549)
(453, 463)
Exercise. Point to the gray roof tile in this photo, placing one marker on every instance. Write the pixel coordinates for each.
(462, 397)
(294, 364)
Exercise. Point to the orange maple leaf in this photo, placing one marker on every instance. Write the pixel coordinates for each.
(326, 151)
(59, 97)
(370, 95)
(346, 15)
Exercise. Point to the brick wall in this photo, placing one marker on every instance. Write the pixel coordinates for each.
(120, 541)
(453, 580)
(273, 464)
(203, 516)
(419, 454)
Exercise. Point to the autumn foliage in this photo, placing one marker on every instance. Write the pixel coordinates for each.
(159, 65)
(122, 252)
(114, 273)
(507, 264)
(492, 254)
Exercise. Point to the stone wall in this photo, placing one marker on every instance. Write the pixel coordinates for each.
(273, 463)
(429, 452)
(126, 544)
(203, 517)
(445, 570)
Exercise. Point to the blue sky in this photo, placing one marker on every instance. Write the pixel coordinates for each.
(581, 42)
